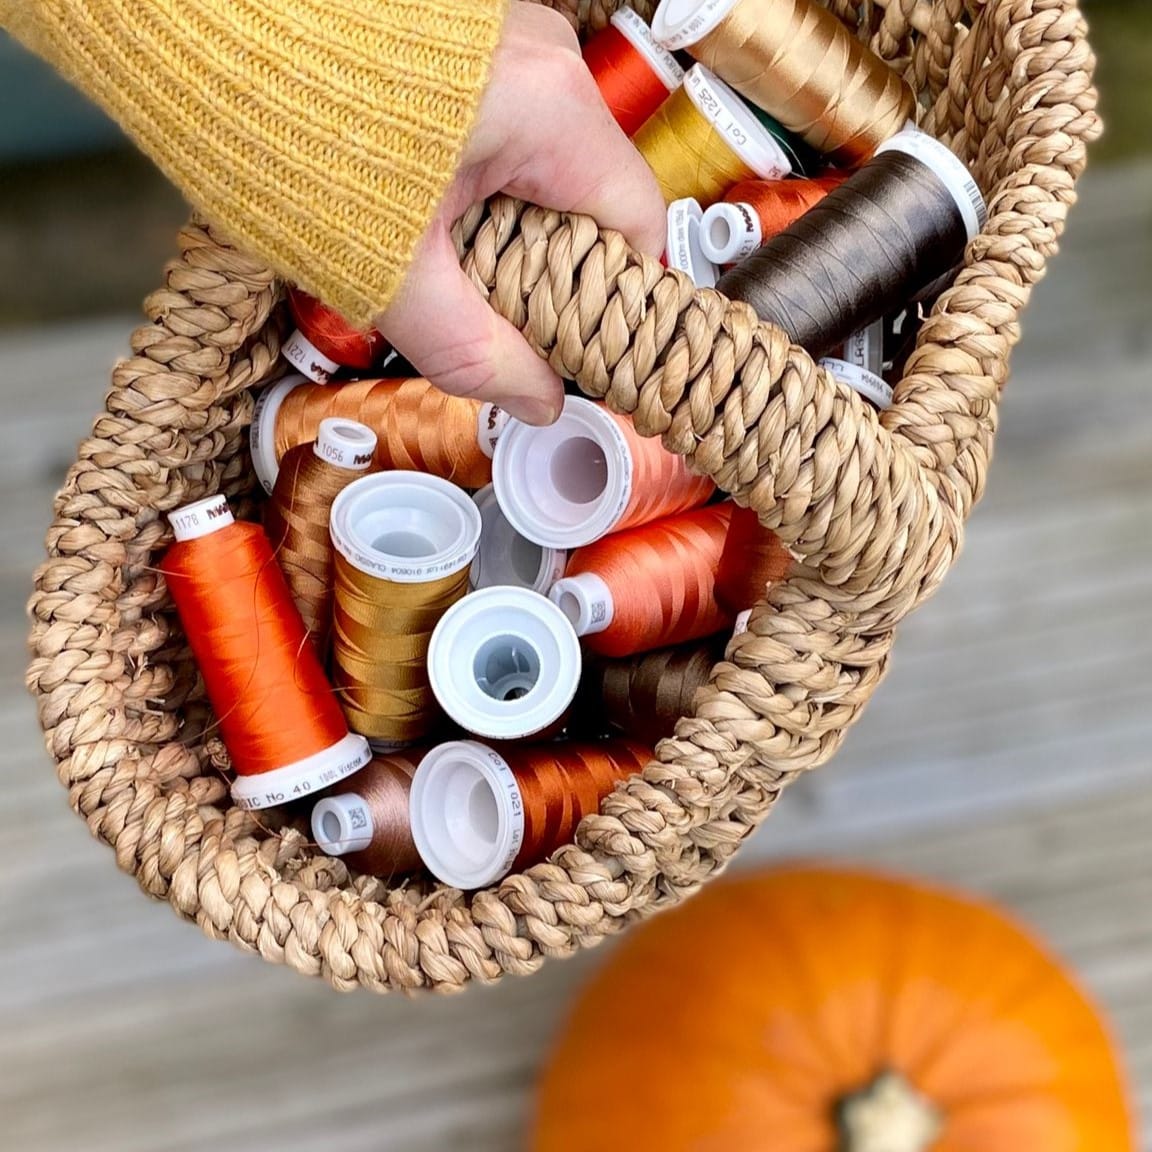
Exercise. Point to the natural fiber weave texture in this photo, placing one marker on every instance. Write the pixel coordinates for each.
(873, 505)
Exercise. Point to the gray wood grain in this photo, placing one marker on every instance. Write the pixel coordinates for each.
(1009, 752)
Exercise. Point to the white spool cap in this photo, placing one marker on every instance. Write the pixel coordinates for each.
(684, 250)
(504, 663)
(201, 518)
(735, 122)
(730, 232)
(303, 355)
(586, 601)
(505, 558)
(868, 384)
(304, 777)
(467, 814)
(342, 824)
(949, 168)
(631, 26)
(262, 431)
(407, 527)
(679, 24)
(345, 443)
(568, 484)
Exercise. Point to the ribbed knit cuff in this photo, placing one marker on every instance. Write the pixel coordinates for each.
(320, 134)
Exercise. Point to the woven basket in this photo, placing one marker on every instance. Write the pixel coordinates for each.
(872, 505)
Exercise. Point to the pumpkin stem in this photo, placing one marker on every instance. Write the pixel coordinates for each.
(889, 1115)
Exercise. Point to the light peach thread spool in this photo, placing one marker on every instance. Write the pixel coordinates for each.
(589, 474)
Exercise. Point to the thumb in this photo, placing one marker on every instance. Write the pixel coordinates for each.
(441, 324)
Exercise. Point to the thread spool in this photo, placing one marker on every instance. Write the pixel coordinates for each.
(505, 558)
(588, 474)
(633, 72)
(505, 664)
(752, 559)
(296, 516)
(479, 813)
(799, 63)
(887, 232)
(684, 250)
(754, 210)
(644, 696)
(419, 428)
(274, 707)
(404, 544)
(704, 138)
(369, 825)
(323, 342)
(650, 587)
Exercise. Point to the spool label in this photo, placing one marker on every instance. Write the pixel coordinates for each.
(344, 455)
(490, 423)
(760, 151)
(872, 387)
(197, 519)
(865, 349)
(505, 780)
(299, 351)
(631, 26)
(682, 253)
(377, 564)
(742, 623)
(299, 780)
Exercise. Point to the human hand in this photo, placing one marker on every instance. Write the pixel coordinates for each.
(543, 134)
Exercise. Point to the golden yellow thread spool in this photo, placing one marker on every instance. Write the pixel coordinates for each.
(404, 543)
(703, 139)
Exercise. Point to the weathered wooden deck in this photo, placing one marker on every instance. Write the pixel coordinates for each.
(1010, 752)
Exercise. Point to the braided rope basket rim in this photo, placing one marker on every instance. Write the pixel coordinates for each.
(872, 506)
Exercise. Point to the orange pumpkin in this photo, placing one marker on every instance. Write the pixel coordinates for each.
(817, 1010)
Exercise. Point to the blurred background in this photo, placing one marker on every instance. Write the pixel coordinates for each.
(1009, 752)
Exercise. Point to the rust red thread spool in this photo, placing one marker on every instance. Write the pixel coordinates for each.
(277, 712)
(633, 72)
(480, 812)
(752, 559)
(324, 343)
(754, 210)
(650, 587)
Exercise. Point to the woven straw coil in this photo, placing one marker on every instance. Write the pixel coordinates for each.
(873, 505)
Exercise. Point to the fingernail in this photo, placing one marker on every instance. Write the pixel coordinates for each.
(534, 410)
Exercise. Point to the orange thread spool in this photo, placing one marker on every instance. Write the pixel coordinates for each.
(755, 210)
(418, 427)
(634, 74)
(589, 474)
(480, 812)
(324, 342)
(368, 825)
(651, 587)
(752, 559)
(277, 713)
(296, 516)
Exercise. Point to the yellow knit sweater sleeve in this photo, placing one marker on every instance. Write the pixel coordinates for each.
(320, 134)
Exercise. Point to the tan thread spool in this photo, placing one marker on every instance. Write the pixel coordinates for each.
(296, 516)
(798, 62)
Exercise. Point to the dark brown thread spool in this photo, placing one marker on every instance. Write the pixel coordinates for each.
(886, 233)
